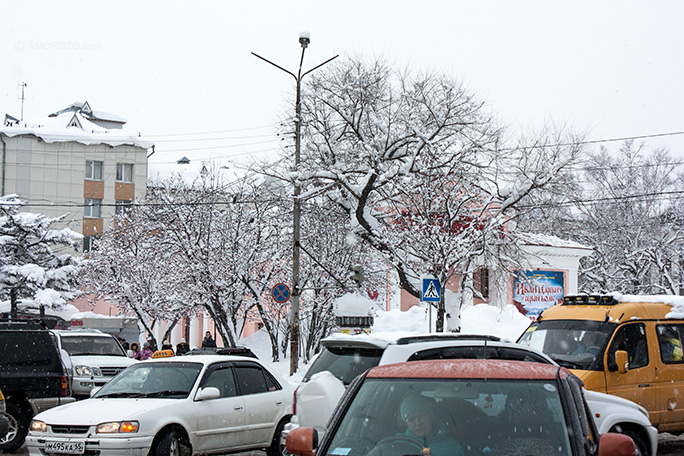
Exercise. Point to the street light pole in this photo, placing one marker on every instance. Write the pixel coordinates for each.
(304, 40)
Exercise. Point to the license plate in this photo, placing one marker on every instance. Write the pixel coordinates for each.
(65, 447)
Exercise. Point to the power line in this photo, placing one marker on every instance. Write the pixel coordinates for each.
(643, 196)
(208, 132)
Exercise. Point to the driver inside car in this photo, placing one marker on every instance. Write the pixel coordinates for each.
(424, 433)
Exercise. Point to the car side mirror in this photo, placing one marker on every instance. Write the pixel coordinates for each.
(210, 392)
(302, 441)
(95, 390)
(622, 361)
(614, 444)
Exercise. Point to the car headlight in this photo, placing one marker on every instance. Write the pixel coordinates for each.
(87, 371)
(38, 426)
(114, 427)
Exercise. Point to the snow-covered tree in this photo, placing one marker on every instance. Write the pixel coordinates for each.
(30, 267)
(421, 169)
(627, 214)
(623, 204)
(127, 267)
(328, 252)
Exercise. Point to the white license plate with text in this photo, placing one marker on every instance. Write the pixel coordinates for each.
(66, 447)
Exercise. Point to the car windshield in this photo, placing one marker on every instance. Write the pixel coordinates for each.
(345, 363)
(155, 380)
(575, 344)
(79, 345)
(391, 417)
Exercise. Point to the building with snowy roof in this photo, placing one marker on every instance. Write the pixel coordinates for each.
(76, 161)
(550, 272)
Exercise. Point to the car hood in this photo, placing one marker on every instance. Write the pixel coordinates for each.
(101, 360)
(597, 397)
(94, 411)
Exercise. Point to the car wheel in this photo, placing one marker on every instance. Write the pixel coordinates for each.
(642, 447)
(19, 420)
(277, 447)
(168, 444)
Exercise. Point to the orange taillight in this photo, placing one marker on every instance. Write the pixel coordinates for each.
(65, 386)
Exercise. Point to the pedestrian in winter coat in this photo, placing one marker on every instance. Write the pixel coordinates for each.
(166, 345)
(133, 351)
(208, 341)
(182, 347)
(145, 353)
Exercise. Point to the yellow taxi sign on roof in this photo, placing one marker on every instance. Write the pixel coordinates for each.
(163, 353)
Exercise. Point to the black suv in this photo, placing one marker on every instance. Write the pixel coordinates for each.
(32, 377)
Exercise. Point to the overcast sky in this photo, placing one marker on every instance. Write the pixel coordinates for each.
(177, 71)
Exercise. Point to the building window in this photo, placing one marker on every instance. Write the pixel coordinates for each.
(89, 243)
(92, 208)
(122, 207)
(481, 280)
(124, 172)
(93, 170)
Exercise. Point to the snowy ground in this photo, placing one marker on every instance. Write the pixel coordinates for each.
(506, 323)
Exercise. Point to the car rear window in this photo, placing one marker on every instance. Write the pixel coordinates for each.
(478, 352)
(26, 348)
(345, 363)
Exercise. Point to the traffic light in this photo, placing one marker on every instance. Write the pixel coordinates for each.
(357, 275)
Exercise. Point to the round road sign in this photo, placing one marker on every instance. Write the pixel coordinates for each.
(280, 292)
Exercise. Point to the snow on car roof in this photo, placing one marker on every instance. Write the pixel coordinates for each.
(677, 302)
(469, 368)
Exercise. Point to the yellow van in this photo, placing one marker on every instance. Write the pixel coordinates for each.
(629, 346)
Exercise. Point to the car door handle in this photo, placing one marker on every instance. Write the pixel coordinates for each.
(238, 408)
(279, 402)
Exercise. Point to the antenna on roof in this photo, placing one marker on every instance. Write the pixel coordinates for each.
(22, 84)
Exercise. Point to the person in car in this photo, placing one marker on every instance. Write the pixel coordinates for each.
(420, 415)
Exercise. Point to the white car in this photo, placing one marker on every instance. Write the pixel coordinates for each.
(345, 357)
(91, 357)
(168, 406)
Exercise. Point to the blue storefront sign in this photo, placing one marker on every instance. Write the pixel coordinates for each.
(536, 291)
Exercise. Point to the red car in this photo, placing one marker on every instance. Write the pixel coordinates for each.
(462, 408)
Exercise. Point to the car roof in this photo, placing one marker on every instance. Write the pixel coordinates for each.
(205, 359)
(210, 359)
(382, 340)
(398, 353)
(80, 332)
(471, 369)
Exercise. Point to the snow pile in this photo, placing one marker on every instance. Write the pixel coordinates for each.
(28, 305)
(351, 305)
(414, 320)
(507, 323)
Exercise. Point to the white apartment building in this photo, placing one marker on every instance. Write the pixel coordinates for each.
(76, 161)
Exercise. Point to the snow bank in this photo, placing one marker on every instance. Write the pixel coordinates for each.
(352, 305)
(507, 322)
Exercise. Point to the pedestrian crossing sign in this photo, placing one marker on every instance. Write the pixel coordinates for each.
(431, 290)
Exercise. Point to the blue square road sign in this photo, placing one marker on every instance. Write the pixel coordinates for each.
(431, 290)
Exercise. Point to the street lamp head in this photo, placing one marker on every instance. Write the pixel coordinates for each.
(304, 39)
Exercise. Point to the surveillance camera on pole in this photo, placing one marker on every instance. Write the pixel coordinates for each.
(357, 275)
